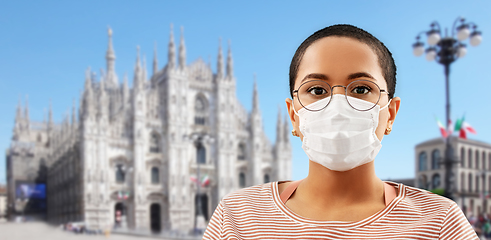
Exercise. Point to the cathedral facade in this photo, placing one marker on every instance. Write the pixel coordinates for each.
(152, 156)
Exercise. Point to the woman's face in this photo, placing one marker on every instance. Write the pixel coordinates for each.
(338, 59)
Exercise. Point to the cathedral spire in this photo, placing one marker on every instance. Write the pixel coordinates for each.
(279, 127)
(110, 76)
(125, 86)
(137, 75)
(18, 115)
(286, 129)
(18, 121)
(88, 80)
(50, 116)
(171, 63)
(230, 61)
(155, 61)
(144, 71)
(103, 107)
(182, 51)
(220, 60)
(88, 93)
(255, 96)
(74, 113)
(26, 117)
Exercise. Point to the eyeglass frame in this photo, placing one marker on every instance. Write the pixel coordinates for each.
(345, 94)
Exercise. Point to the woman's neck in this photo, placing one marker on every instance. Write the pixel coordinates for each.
(359, 185)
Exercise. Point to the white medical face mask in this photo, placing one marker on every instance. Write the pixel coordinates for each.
(339, 137)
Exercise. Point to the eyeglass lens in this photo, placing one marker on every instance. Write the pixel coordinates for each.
(315, 90)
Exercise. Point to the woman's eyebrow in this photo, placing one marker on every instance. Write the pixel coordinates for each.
(360, 75)
(352, 76)
(319, 76)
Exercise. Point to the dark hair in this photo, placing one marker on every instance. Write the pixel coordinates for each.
(385, 59)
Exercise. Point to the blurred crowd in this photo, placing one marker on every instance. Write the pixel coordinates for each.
(481, 224)
(78, 228)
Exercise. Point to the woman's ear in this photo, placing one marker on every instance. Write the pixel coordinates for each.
(293, 118)
(394, 105)
(291, 113)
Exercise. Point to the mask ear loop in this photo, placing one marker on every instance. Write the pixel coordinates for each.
(380, 108)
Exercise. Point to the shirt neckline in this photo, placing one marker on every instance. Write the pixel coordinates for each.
(401, 194)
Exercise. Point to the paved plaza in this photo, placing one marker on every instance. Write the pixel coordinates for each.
(42, 231)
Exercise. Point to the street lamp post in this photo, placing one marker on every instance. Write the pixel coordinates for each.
(126, 187)
(198, 140)
(445, 51)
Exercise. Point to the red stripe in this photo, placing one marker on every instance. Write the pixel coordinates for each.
(258, 213)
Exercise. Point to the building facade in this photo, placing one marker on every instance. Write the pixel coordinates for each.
(133, 157)
(472, 174)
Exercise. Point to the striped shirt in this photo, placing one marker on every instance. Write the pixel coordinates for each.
(258, 213)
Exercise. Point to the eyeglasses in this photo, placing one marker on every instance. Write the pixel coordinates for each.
(315, 90)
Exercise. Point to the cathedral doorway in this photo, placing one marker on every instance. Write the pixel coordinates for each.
(119, 212)
(155, 218)
(204, 205)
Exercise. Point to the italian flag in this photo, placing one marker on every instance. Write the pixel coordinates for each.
(468, 128)
(205, 181)
(463, 127)
(443, 131)
(193, 179)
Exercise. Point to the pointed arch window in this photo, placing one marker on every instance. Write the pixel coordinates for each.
(462, 157)
(422, 161)
(477, 184)
(435, 159)
(154, 143)
(477, 159)
(266, 178)
(201, 154)
(242, 180)
(469, 156)
(462, 182)
(469, 182)
(201, 110)
(241, 151)
(155, 175)
(483, 160)
(119, 173)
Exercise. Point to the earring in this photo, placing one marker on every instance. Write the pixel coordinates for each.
(294, 133)
(388, 130)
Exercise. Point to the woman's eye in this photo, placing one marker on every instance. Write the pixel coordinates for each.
(317, 91)
(361, 90)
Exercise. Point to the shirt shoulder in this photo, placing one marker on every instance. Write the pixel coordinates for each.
(420, 196)
(437, 212)
(250, 195)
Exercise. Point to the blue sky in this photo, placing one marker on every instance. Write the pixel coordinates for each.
(45, 47)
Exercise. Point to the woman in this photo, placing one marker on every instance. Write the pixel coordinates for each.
(342, 83)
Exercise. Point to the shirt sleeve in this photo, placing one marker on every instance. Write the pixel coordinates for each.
(456, 226)
(214, 229)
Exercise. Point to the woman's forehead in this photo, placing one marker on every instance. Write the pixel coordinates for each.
(338, 58)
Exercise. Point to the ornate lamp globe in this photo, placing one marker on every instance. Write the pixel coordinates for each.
(461, 50)
(476, 38)
(463, 32)
(430, 54)
(433, 37)
(418, 49)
